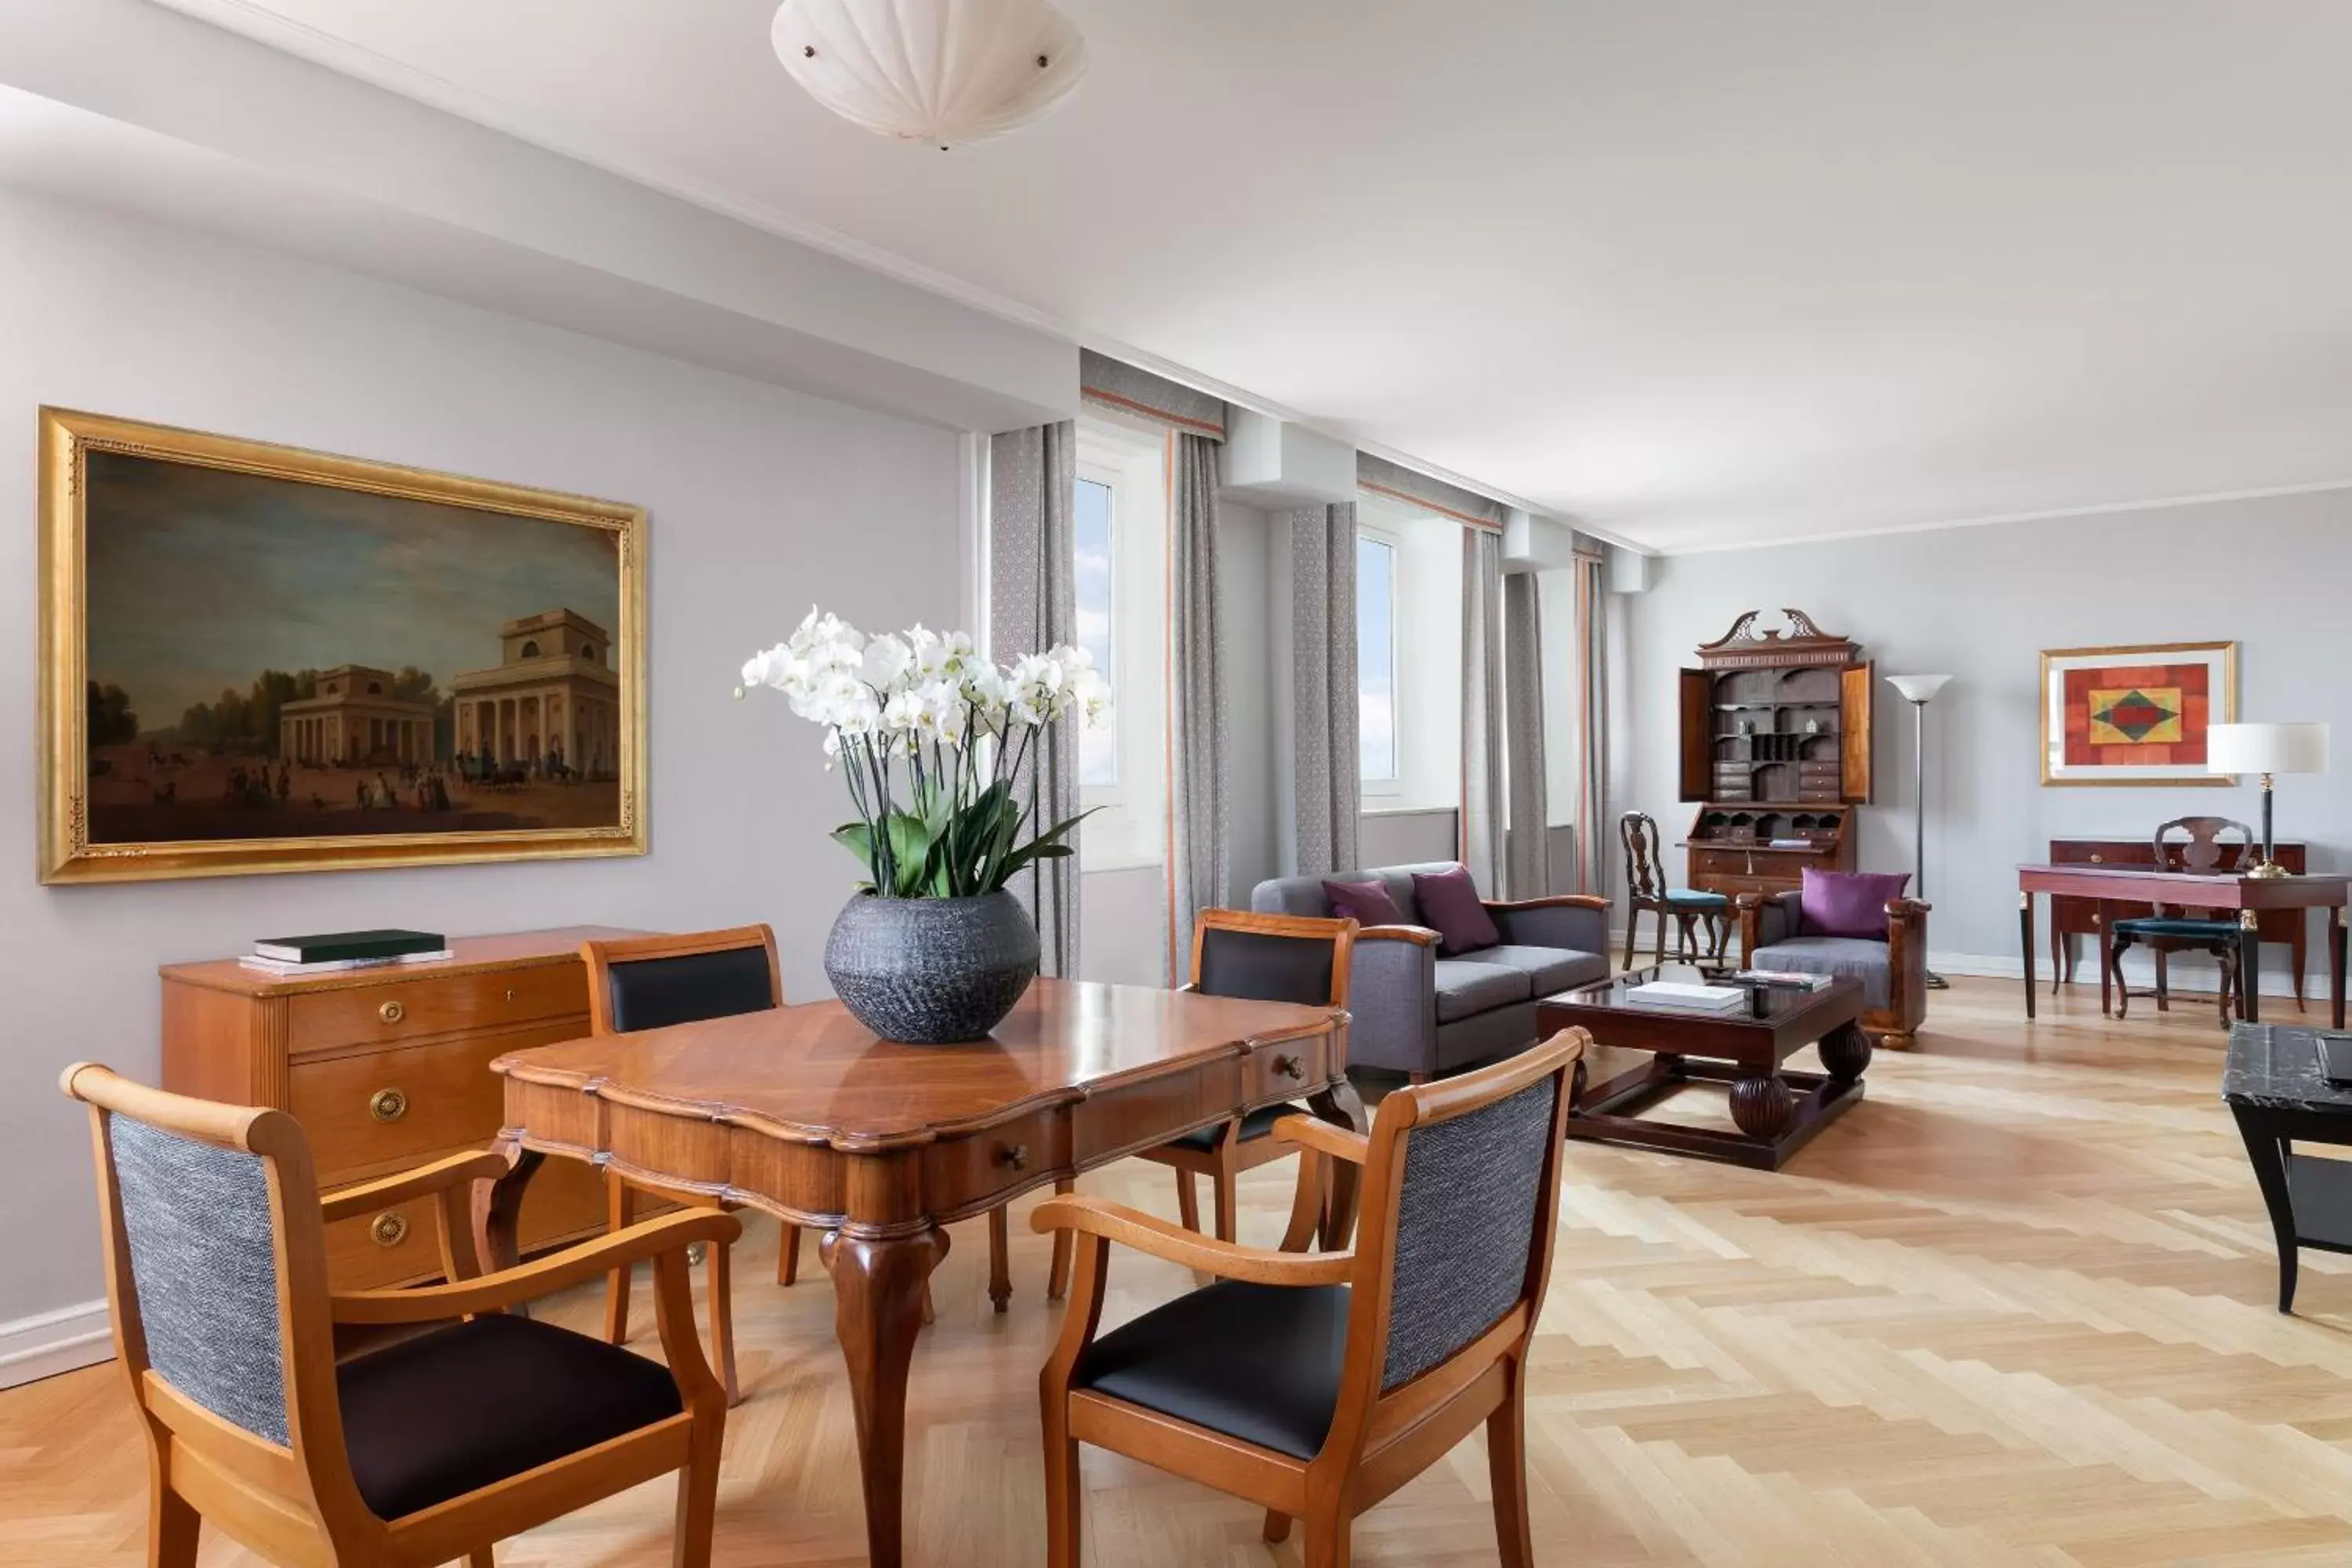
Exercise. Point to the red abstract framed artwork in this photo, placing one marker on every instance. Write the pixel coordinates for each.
(2136, 715)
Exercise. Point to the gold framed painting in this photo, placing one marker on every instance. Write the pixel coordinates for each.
(2136, 715)
(256, 658)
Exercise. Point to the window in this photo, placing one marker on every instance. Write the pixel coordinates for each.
(1098, 587)
(1376, 683)
(1120, 549)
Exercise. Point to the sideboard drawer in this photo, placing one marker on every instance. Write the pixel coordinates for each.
(401, 1245)
(433, 1004)
(363, 1108)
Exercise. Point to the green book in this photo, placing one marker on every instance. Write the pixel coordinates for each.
(342, 946)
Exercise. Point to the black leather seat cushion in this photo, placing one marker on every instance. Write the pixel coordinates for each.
(1260, 1363)
(655, 992)
(1257, 1124)
(1260, 966)
(436, 1416)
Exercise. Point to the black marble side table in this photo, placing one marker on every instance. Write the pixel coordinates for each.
(2274, 1088)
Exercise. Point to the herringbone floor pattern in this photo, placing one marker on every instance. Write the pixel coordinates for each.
(2015, 1309)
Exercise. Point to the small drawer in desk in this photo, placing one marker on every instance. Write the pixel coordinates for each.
(1283, 1069)
(432, 1005)
(959, 1171)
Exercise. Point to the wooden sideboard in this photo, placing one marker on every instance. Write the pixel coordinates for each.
(2073, 917)
(387, 1068)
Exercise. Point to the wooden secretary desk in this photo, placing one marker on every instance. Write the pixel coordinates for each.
(387, 1068)
(1776, 732)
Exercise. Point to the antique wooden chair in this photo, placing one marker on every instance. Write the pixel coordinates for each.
(1315, 1383)
(650, 983)
(1262, 958)
(426, 1451)
(1647, 888)
(2171, 929)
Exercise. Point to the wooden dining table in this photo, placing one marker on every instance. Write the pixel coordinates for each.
(803, 1113)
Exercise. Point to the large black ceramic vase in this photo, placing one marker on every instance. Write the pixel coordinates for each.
(931, 971)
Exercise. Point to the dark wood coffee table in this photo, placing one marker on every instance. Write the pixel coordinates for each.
(1777, 1112)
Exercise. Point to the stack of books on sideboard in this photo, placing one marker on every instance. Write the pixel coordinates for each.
(331, 951)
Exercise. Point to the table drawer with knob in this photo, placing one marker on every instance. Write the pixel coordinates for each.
(1287, 1068)
(364, 1108)
(437, 1005)
(999, 1159)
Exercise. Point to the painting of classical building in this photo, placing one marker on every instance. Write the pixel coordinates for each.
(355, 719)
(269, 660)
(550, 705)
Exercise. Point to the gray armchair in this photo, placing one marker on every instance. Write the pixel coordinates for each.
(1417, 1013)
(1892, 970)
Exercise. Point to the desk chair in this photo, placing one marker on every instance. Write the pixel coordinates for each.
(1262, 958)
(420, 1453)
(1313, 1384)
(1647, 888)
(2187, 929)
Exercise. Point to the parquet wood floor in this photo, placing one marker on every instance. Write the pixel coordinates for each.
(2014, 1310)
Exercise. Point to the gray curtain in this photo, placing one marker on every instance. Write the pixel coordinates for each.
(1526, 865)
(1200, 851)
(1482, 708)
(1329, 749)
(1591, 728)
(1033, 477)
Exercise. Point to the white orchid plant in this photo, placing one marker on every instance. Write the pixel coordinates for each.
(931, 737)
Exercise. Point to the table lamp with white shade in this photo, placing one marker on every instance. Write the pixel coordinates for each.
(1920, 691)
(2268, 749)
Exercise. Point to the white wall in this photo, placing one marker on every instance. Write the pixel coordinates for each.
(751, 492)
(1980, 603)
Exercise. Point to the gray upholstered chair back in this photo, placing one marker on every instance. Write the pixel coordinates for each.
(203, 1267)
(1267, 966)
(1304, 895)
(1465, 1225)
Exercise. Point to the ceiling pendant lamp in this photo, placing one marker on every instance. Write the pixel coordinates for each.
(942, 71)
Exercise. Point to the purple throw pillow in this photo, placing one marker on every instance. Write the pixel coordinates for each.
(1449, 903)
(1367, 903)
(1848, 903)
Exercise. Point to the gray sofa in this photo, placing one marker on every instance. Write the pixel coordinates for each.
(1420, 1013)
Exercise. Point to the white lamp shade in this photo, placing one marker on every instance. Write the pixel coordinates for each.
(2267, 748)
(942, 71)
(1919, 688)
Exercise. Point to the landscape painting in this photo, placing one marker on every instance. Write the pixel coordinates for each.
(258, 659)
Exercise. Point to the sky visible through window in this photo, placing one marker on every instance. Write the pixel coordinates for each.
(1375, 657)
(1097, 747)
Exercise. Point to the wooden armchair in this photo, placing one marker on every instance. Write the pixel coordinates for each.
(424, 1452)
(1266, 958)
(1891, 969)
(1315, 1384)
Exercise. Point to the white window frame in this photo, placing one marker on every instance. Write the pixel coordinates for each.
(1393, 787)
(1129, 831)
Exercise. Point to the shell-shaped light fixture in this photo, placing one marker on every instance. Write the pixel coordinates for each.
(942, 71)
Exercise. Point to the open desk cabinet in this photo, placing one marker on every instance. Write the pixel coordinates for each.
(1775, 738)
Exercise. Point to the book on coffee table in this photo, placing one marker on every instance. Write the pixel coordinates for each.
(1689, 997)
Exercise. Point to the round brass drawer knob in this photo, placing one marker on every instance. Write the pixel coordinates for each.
(388, 1105)
(389, 1229)
(1290, 1066)
(1017, 1155)
(392, 1012)
(2098, 859)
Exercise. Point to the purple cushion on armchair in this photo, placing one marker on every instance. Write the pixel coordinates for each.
(1449, 903)
(1368, 903)
(1848, 903)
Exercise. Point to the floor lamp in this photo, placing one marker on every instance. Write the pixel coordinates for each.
(1920, 691)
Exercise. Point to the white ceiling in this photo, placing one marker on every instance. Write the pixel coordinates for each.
(1698, 272)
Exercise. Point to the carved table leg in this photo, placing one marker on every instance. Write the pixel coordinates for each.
(879, 1287)
(2268, 1151)
(1846, 1053)
(1762, 1106)
(1338, 1102)
(2250, 967)
(1000, 1265)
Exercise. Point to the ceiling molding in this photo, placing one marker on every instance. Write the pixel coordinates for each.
(262, 24)
(2055, 514)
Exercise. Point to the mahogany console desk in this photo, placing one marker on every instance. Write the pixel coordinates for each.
(387, 1068)
(2251, 898)
(803, 1113)
(2071, 917)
